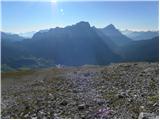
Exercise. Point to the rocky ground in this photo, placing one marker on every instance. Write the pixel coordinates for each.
(126, 90)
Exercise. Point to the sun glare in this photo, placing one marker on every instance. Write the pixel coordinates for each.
(53, 1)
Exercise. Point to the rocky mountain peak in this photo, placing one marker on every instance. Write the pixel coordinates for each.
(83, 24)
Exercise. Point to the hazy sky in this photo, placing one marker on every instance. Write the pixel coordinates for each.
(32, 16)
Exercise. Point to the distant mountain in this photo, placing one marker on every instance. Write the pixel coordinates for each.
(27, 34)
(143, 50)
(126, 32)
(45, 30)
(116, 36)
(30, 34)
(11, 37)
(140, 35)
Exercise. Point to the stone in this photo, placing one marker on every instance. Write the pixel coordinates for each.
(75, 91)
(130, 100)
(141, 107)
(26, 115)
(83, 116)
(86, 74)
(100, 102)
(144, 115)
(122, 95)
(34, 118)
(75, 72)
(64, 103)
(155, 104)
(81, 106)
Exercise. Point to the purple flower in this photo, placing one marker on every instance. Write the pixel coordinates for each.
(104, 112)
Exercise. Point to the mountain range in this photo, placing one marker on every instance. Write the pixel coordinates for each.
(140, 35)
(75, 45)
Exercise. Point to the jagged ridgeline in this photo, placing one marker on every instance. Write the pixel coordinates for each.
(75, 45)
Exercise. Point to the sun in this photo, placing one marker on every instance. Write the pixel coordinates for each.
(53, 1)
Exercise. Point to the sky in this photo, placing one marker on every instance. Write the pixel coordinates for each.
(19, 17)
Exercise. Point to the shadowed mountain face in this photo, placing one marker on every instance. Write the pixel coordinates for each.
(73, 45)
(144, 50)
(116, 36)
(76, 45)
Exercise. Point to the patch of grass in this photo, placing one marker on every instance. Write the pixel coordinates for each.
(15, 74)
(110, 96)
(152, 84)
(134, 109)
(118, 102)
(153, 99)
